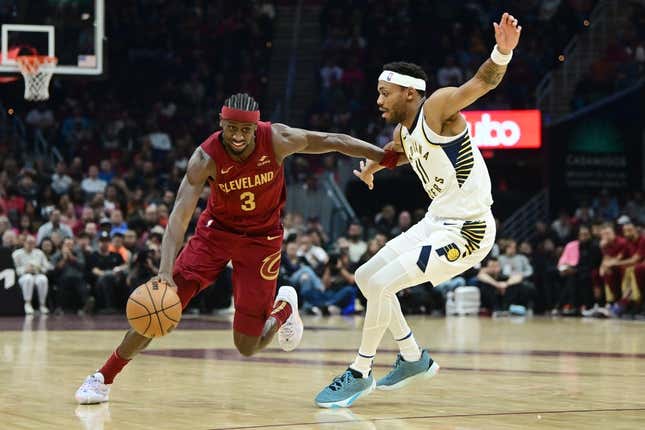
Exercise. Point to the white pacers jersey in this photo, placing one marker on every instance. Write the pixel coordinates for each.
(451, 169)
(459, 229)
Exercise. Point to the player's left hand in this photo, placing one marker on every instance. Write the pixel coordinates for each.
(507, 33)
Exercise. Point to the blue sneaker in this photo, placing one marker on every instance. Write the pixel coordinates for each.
(345, 389)
(403, 372)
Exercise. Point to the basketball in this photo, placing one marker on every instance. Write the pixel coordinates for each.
(153, 309)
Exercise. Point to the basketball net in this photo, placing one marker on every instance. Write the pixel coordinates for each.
(37, 70)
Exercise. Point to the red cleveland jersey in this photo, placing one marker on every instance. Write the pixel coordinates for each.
(615, 248)
(246, 197)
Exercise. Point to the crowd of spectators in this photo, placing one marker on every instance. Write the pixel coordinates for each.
(85, 232)
(621, 66)
(448, 40)
(99, 213)
(589, 262)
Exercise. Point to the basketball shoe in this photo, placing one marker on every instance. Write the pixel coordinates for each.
(290, 333)
(403, 372)
(93, 390)
(345, 389)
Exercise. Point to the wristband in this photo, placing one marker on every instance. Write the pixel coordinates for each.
(499, 58)
(390, 159)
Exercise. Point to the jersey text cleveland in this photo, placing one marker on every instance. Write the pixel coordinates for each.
(247, 182)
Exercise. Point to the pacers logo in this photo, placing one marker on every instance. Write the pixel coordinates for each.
(451, 252)
(270, 266)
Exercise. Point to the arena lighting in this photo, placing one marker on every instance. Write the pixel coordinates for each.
(505, 129)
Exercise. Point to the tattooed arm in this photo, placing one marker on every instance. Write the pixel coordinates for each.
(446, 102)
(200, 167)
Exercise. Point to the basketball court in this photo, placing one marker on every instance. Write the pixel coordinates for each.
(496, 374)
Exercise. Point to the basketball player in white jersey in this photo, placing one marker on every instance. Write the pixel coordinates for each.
(458, 230)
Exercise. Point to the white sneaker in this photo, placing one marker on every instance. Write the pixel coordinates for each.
(29, 310)
(93, 390)
(290, 334)
(44, 310)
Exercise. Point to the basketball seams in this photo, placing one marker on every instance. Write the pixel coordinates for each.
(171, 319)
(139, 317)
(148, 326)
(163, 309)
(178, 302)
(152, 300)
(149, 314)
(169, 315)
(141, 304)
(163, 296)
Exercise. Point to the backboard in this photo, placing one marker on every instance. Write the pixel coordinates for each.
(72, 30)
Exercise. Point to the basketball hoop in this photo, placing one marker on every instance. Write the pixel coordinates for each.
(37, 70)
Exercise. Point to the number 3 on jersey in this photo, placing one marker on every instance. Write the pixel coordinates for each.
(248, 201)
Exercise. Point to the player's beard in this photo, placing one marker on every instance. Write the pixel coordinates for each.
(392, 117)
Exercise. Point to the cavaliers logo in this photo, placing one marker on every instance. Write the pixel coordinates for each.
(451, 252)
(271, 266)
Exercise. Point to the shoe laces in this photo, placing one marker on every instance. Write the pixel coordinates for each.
(397, 363)
(338, 381)
(92, 383)
(287, 329)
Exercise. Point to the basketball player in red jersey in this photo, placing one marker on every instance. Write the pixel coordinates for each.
(243, 165)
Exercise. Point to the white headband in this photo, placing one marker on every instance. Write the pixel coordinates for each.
(403, 80)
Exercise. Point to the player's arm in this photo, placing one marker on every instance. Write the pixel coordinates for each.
(369, 167)
(288, 140)
(200, 167)
(446, 102)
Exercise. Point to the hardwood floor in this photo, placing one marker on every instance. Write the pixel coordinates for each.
(496, 374)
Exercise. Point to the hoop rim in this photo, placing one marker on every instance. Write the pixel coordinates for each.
(33, 63)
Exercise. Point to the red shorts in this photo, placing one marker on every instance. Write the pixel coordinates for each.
(256, 263)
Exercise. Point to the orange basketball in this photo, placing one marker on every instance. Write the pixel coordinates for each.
(153, 309)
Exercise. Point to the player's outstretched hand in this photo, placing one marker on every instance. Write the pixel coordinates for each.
(507, 33)
(364, 175)
(168, 279)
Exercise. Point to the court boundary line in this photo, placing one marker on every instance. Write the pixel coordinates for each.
(426, 417)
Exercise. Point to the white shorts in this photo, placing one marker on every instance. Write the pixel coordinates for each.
(437, 249)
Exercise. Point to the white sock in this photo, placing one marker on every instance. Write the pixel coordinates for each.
(381, 300)
(362, 363)
(409, 348)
